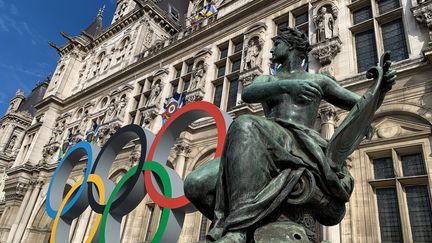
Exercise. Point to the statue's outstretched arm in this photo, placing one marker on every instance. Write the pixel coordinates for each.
(265, 87)
(337, 95)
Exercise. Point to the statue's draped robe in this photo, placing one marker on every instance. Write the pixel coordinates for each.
(263, 159)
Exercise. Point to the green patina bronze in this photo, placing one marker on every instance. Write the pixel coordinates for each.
(277, 168)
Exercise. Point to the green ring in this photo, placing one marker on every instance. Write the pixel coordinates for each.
(163, 175)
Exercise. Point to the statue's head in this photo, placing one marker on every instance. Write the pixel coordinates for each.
(290, 43)
(323, 10)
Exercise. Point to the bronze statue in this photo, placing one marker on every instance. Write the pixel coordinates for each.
(277, 167)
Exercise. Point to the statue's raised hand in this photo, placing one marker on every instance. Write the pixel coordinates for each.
(305, 91)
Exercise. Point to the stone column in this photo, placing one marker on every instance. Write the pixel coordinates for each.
(182, 150)
(327, 114)
(20, 212)
(27, 213)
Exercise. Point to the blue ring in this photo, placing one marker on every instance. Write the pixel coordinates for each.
(88, 149)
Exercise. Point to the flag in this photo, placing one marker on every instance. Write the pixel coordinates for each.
(173, 104)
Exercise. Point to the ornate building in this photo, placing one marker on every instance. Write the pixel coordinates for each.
(121, 74)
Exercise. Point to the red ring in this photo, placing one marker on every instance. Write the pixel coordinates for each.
(214, 112)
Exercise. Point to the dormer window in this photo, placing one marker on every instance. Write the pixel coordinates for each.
(174, 13)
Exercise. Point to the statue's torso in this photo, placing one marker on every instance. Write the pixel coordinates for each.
(290, 107)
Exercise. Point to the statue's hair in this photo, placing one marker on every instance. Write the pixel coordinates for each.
(295, 38)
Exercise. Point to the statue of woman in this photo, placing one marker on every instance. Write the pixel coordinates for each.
(264, 158)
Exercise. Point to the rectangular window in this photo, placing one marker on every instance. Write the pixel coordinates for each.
(366, 50)
(189, 67)
(175, 88)
(186, 85)
(420, 213)
(232, 96)
(389, 219)
(383, 168)
(174, 13)
(387, 5)
(394, 40)
(238, 47)
(223, 53)
(362, 14)
(221, 71)
(236, 65)
(282, 25)
(301, 19)
(149, 222)
(177, 72)
(413, 165)
(218, 95)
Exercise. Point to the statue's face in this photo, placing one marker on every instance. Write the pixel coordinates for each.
(279, 51)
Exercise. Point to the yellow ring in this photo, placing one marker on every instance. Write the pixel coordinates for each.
(100, 187)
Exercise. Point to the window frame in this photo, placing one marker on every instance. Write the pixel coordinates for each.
(375, 23)
(399, 182)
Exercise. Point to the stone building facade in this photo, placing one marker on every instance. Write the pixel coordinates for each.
(121, 74)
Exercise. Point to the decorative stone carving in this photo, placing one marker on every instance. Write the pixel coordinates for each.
(327, 114)
(326, 43)
(196, 95)
(155, 95)
(246, 77)
(149, 115)
(253, 53)
(198, 76)
(135, 155)
(423, 15)
(48, 151)
(325, 26)
(182, 148)
(325, 51)
(110, 113)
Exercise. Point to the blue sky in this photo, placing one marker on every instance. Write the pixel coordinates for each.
(25, 29)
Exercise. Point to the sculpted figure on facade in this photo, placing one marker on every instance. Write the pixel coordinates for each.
(198, 76)
(12, 142)
(324, 23)
(253, 53)
(110, 113)
(156, 92)
(121, 108)
(290, 175)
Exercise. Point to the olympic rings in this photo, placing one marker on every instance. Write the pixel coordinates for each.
(134, 185)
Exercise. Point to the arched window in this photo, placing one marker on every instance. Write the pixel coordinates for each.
(123, 49)
(99, 62)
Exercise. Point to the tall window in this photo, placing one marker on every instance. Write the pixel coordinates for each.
(149, 231)
(301, 19)
(226, 84)
(390, 31)
(401, 186)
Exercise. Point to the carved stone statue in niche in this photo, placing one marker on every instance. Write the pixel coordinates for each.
(252, 54)
(12, 143)
(156, 91)
(110, 114)
(198, 76)
(121, 108)
(325, 24)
